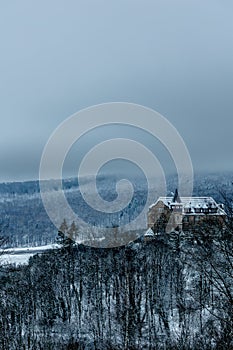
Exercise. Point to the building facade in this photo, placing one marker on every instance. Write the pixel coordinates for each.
(177, 213)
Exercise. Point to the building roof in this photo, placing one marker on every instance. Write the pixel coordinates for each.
(191, 204)
(176, 197)
(149, 233)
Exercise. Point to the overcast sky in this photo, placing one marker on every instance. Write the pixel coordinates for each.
(57, 57)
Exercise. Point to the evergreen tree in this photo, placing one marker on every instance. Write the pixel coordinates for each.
(66, 235)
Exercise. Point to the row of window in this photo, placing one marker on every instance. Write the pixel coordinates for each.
(195, 218)
(201, 210)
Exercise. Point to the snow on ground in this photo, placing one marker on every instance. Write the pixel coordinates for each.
(19, 259)
(30, 249)
(21, 255)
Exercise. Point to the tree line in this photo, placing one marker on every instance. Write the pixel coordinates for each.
(165, 294)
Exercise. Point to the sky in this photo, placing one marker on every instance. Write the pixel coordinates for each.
(58, 57)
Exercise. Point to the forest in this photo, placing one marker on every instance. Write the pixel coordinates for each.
(25, 223)
(173, 292)
(170, 293)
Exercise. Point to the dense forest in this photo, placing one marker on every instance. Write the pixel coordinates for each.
(25, 222)
(170, 293)
(173, 292)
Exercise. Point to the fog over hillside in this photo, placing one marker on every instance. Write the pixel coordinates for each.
(25, 222)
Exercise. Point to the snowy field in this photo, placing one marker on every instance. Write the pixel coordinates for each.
(21, 256)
